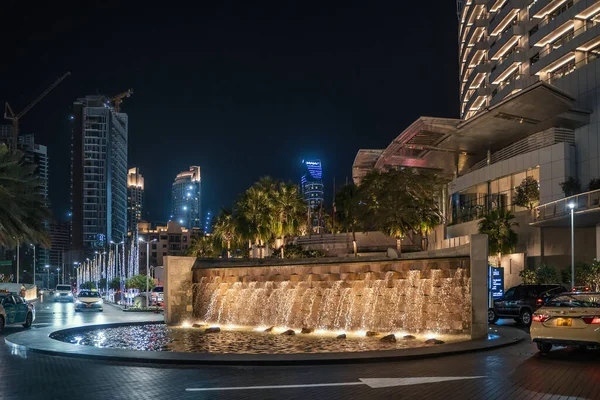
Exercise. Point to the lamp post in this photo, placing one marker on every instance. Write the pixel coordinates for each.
(572, 207)
(48, 271)
(58, 275)
(33, 245)
(147, 267)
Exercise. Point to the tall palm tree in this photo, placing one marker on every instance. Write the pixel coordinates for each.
(347, 208)
(254, 207)
(502, 239)
(288, 211)
(201, 246)
(225, 228)
(22, 209)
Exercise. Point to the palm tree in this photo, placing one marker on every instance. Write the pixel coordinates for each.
(347, 206)
(225, 228)
(201, 246)
(255, 209)
(502, 239)
(288, 211)
(22, 210)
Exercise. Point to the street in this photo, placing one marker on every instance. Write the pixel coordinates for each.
(515, 372)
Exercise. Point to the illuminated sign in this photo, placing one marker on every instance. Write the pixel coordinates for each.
(316, 163)
(497, 282)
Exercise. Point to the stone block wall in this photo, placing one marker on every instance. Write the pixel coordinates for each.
(178, 288)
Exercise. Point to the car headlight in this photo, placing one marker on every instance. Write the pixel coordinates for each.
(99, 301)
(70, 294)
(78, 302)
(56, 294)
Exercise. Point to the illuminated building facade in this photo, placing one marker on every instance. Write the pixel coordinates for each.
(186, 206)
(135, 199)
(98, 174)
(311, 183)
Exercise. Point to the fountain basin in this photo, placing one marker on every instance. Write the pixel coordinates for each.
(160, 338)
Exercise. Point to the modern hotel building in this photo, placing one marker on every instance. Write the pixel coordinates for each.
(529, 95)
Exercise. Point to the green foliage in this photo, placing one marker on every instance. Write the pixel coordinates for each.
(498, 225)
(102, 283)
(225, 228)
(22, 209)
(585, 275)
(202, 246)
(546, 274)
(528, 276)
(294, 251)
(88, 285)
(400, 201)
(571, 186)
(594, 184)
(139, 282)
(527, 194)
(115, 283)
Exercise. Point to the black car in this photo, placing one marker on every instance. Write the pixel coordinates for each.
(520, 302)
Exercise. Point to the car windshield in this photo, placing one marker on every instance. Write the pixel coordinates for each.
(575, 300)
(63, 287)
(158, 289)
(89, 294)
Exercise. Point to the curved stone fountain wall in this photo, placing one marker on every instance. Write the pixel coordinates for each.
(386, 296)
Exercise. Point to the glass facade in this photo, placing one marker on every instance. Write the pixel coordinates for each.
(474, 202)
(186, 199)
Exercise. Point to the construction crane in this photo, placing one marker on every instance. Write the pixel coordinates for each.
(118, 99)
(15, 118)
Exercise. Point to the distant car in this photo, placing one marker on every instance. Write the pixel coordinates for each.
(15, 310)
(158, 296)
(89, 300)
(63, 293)
(520, 302)
(569, 319)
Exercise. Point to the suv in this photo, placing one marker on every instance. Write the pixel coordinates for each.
(63, 293)
(520, 302)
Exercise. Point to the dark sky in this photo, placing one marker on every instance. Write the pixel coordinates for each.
(243, 89)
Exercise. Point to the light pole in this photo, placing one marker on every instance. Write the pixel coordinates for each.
(48, 271)
(572, 207)
(147, 267)
(33, 245)
(58, 275)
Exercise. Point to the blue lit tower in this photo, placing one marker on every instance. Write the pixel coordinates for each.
(312, 189)
(186, 204)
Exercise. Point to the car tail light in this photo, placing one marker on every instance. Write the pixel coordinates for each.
(540, 318)
(593, 320)
(539, 301)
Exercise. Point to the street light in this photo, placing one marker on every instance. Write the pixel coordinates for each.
(33, 245)
(58, 275)
(48, 270)
(147, 267)
(572, 207)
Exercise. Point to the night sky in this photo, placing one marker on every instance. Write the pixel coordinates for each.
(243, 89)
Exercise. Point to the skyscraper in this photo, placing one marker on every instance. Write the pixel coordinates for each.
(311, 184)
(135, 199)
(98, 174)
(186, 206)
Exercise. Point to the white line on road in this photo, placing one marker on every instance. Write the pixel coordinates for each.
(371, 382)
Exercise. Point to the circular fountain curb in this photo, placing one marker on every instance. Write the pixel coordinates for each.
(38, 341)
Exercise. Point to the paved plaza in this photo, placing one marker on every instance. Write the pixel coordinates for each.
(513, 372)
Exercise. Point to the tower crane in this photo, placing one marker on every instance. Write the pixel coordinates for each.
(118, 99)
(10, 114)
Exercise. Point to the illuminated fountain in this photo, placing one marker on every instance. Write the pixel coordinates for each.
(433, 300)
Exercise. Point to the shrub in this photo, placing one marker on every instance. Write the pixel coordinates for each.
(139, 282)
(295, 251)
(88, 285)
(528, 276)
(571, 186)
(594, 184)
(527, 194)
(546, 274)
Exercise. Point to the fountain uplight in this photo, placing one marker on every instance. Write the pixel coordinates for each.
(340, 332)
(186, 324)
(430, 335)
(320, 331)
(361, 333)
(279, 329)
(260, 328)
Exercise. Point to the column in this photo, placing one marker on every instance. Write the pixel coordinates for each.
(479, 286)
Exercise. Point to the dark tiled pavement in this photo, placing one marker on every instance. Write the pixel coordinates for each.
(515, 372)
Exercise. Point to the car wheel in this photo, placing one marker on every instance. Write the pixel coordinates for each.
(544, 347)
(525, 317)
(492, 317)
(1, 323)
(28, 320)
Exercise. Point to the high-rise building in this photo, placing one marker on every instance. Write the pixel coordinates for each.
(170, 240)
(311, 183)
(208, 223)
(98, 174)
(186, 208)
(135, 199)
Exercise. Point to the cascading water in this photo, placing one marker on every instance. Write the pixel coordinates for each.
(435, 300)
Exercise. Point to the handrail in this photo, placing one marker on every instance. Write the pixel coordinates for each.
(559, 208)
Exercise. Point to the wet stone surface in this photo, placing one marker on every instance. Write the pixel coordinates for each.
(158, 337)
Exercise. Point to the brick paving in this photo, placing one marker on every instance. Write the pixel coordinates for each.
(515, 372)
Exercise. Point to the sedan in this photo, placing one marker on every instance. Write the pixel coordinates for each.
(15, 310)
(570, 319)
(88, 300)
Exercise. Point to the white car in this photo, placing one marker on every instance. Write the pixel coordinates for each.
(569, 319)
(63, 293)
(89, 300)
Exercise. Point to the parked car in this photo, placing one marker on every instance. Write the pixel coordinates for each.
(569, 319)
(15, 310)
(63, 293)
(158, 296)
(89, 300)
(520, 302)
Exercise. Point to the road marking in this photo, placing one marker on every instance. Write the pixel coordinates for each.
(373, 383)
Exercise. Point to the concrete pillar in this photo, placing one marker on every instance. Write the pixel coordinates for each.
(178, 289)
(597, 241)
(479, 286)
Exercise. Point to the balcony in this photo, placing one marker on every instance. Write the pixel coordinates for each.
(549, 27)
(506, 88)
(515, 57)
(507, 38)
(568, 44)
(508, 12)
(586, 211)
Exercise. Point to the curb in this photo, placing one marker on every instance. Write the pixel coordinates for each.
(506, 337)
